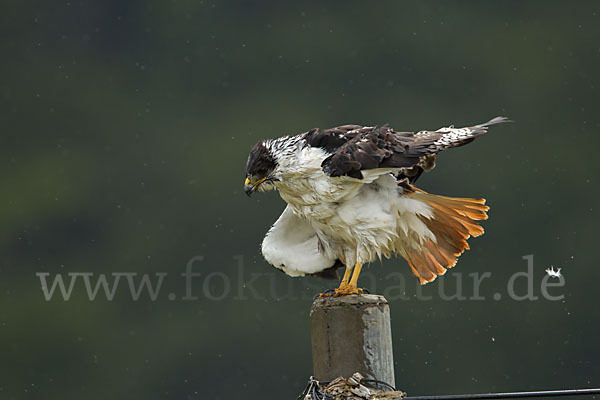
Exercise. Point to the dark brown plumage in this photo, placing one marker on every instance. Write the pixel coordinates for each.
(354, 148)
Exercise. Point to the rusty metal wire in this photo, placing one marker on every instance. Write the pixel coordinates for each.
(313, 392)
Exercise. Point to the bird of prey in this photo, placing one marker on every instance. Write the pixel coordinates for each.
(351, 199)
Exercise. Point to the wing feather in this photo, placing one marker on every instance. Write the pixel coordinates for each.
(355, 148)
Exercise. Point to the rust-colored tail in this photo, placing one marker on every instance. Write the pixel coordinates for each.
(453, 221)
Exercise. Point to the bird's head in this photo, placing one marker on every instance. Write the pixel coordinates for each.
(260, 169)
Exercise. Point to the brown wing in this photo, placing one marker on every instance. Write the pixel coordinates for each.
(354, 148)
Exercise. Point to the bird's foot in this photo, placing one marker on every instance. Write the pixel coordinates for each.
(343, 290)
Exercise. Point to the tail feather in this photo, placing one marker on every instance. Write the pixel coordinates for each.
(452, 221)
(497, 120)
(448, 137)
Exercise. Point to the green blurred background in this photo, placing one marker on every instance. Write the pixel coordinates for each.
(125, 130)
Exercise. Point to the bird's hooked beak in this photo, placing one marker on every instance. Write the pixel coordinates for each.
(250, 187)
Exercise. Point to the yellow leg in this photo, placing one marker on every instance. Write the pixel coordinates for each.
(346, 278)
(356, 273)
(347, 285)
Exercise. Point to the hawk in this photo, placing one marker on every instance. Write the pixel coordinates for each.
(351, 199)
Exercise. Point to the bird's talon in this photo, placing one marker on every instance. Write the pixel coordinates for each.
(326, 293)
(347, 290)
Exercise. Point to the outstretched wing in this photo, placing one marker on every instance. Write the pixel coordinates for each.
(354, 148)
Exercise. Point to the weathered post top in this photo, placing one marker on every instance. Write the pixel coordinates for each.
(352, 334)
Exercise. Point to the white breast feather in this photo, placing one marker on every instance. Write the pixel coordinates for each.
(292, 246)
(356, 220)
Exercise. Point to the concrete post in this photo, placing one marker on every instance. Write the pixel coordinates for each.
(352, 334)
